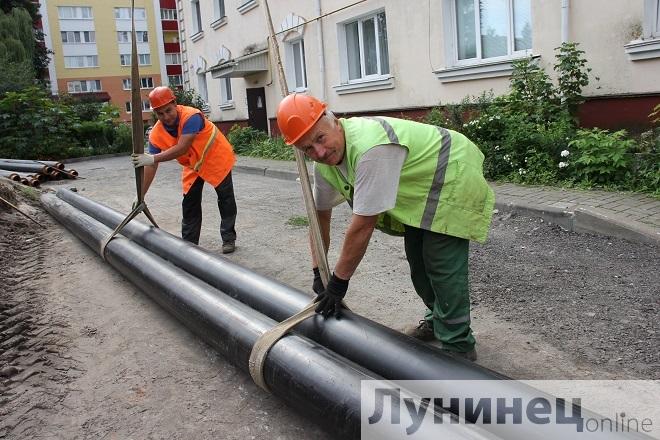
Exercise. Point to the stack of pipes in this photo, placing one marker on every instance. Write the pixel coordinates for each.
(319, 368)
(34, 172)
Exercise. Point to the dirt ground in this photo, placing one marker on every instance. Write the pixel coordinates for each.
(84, 354)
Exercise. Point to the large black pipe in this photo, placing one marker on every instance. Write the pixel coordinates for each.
(50, 163)
(380, 349)
(375, 347)
(312, 379)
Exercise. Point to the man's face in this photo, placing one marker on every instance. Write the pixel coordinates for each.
(324, 142)
(167, 114)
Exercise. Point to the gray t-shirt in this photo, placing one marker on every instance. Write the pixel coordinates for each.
(376, 181)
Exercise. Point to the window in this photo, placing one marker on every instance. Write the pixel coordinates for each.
(298, 68)
(174, 80)
(76, 37)
(145, 106)
(81, 61)
(488, 29)
(197, 17)
(366, 47)
(218, 9)
(201, 85)
(144, 59)
(225, 91)
(651, 24)
(125, 36)
(84, 86)
(168, 14)
(80, 12)
(125, 13)
(172, 58)
(145, 83)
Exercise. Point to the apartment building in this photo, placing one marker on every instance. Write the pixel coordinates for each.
(403, 57)
(91, 41)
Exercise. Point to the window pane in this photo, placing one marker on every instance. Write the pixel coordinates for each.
(382, 44)
(353, 50)
(297, 65)
(494, 27)
(229, 97)
(370, 57)
(522, 24)
(466, 35)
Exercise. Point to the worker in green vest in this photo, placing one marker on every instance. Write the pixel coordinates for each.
(405, 178)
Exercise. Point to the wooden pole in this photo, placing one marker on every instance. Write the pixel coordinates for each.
(315, 230)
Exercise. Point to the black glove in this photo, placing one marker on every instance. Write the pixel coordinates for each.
(317, 286)
(329, 301)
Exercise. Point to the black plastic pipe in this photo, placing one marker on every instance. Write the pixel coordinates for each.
(383, 351)
(50, 163)
(311, 379)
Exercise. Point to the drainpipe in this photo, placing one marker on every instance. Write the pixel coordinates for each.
(321, 52)
(565, 7)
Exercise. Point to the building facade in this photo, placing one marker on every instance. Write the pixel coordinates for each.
(402, 58)
(91, 41)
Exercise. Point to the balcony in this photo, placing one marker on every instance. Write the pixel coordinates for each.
(172, 48)
(170, 25)
(173, 69)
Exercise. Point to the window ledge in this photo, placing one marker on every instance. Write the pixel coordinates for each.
(247, 6)
(477, 71)
(643, 49)
(227, 105)
(369, 85)
(198, 36)
(219, 22)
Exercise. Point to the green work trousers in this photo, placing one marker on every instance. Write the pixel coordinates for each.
(439, 272)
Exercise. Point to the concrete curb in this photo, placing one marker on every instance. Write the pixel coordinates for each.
(87, 158)
(268, 172)
(582, 220)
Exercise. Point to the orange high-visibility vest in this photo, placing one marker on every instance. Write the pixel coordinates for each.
(210, 156)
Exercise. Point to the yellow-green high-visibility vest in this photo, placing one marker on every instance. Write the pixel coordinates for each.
(441, 188)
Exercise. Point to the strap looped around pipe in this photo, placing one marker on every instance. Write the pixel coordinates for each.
(142, 206)
(268, 339)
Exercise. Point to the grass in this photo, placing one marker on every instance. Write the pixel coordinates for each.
(298, 221)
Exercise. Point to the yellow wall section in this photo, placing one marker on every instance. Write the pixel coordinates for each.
(106, 39)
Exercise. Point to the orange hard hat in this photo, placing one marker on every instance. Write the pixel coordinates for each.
(161, 96)
(296, 114)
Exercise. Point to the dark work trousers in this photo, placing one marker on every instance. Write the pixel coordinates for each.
(439, 272)
(191, 224)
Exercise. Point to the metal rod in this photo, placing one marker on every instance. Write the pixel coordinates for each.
(311, 379)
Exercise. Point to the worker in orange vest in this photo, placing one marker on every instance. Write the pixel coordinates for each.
(185, 134)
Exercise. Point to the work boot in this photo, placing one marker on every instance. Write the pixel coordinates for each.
(422, 331)
(228, 247)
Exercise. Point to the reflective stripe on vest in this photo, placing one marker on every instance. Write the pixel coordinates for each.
(206, 150)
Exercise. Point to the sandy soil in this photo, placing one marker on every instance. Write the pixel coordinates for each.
(84, 354)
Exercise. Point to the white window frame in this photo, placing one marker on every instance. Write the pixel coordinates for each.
(125, 36)
(172, 58)
(78, 12)
(175, 80)
(344, 62)
(219, 10)
(146, 107)
(125, 14)
(511, 52)
(649, 46)
(226, 94)
(168, 14)
(86, 61)
(83, 86)
(144, 59)
(196, 8)
(79, 36)
(292, 47)
(202, 86)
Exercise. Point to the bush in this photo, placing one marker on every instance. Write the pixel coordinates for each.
(601, 157)
(248, 141)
